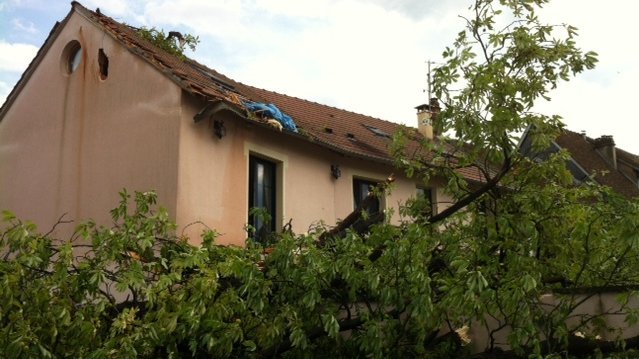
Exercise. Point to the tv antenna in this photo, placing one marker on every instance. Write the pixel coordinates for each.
(428, 78)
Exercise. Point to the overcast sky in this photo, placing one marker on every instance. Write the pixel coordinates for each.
(367, 56)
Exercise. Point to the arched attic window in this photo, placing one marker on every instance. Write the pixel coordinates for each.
(71, 57)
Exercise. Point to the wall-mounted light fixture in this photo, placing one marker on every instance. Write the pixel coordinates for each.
(335, 171)
(219, 129)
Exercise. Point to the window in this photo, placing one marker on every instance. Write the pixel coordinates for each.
(426, 194)
(262, 187)
(71, 57)
(361, 189)
(377, 131)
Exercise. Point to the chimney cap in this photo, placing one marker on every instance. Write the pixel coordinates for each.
(432, 105)
(603, 141)
(423, 107)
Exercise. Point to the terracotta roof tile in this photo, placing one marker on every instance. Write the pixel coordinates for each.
(347, 130)
(582, 150)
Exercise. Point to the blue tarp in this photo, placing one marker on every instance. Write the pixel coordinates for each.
(271, 111)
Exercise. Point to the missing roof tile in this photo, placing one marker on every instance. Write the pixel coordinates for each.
(328, 130)
(215, 79)
(350, 136)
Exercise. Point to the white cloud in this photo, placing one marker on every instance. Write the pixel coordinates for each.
(369, 56)
(113, 8)
(601, 101)
(28, 4)
(216, 17)
(27, 27)
(16, 57)
(600, 108)
(352, 54)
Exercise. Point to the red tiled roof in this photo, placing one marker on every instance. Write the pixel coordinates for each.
(347, 131)
(314, 119)
(582, 150)
(340, 130)
(628, 157)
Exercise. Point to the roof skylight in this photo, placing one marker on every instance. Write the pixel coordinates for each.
(377, 131)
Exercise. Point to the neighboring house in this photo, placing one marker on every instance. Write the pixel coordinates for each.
(594, 159)
(100, 109)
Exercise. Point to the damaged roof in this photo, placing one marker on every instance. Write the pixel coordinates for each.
(342, 131)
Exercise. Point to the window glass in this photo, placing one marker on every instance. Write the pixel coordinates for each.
(361, 189)
(75, 59)
(262, 185)
(71, 57)
(425, 194)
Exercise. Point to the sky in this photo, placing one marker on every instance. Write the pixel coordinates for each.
(366, 56)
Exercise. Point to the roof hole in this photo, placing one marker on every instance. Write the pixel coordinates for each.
(103, 62)
(328, 130)
(350, 135)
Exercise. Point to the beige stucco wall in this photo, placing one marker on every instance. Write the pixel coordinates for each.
(604, 305)
(213, 177)
(69, 143)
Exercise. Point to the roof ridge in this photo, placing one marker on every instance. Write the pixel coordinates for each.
(587, 138)
(630, 153)
(203, 66)
(324, 105)
(590, 140)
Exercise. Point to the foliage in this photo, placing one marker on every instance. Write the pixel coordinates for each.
(514, 255)
(174, 42)
(522, 248)
(137, 290)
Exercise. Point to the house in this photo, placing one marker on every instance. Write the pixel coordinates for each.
(100, 109)
(595, 159)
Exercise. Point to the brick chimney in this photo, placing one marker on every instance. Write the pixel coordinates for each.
(426, 114)
(605, 145)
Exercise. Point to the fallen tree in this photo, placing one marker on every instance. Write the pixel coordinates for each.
(136, 289)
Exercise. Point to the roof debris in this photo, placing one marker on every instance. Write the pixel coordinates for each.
(270, 111)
